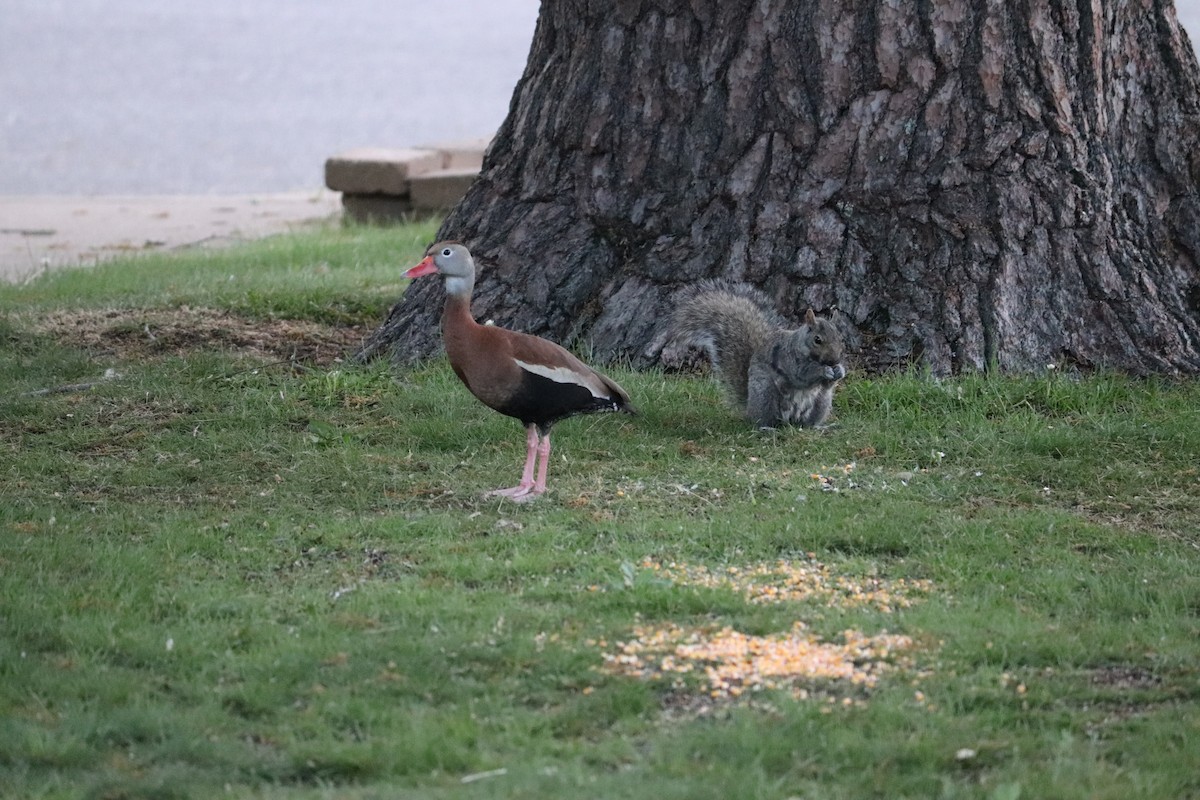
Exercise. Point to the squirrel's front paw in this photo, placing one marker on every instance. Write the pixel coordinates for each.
(835, 372)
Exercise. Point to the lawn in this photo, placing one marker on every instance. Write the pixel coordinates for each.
(234, 564)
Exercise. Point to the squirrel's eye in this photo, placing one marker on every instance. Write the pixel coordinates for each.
(446, 253)
(818, 339)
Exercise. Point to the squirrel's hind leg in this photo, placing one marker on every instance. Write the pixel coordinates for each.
(763, 399)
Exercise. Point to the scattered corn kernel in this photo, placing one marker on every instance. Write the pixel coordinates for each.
(730, 664)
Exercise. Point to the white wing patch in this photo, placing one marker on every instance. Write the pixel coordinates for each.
(565, 375)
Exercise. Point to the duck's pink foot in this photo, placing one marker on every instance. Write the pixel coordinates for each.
(514, 491)
(533, 494)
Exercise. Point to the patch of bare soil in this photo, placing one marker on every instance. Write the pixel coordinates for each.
(1124, 677)
(128, 334)
(1138, 692)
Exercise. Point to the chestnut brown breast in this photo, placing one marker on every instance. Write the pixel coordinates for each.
(520, 375)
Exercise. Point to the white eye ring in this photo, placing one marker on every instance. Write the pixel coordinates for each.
(447, 253)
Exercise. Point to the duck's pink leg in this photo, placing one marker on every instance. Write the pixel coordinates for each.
(540, 486)
(531, 453)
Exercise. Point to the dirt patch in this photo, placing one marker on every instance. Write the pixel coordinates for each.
(1125, 677)
(129, 334)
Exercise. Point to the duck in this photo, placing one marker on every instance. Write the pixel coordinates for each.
(517, 374)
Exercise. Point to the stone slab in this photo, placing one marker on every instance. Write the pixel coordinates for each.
(377, 209)
(379, 170)
(440, 190)
(461, 153)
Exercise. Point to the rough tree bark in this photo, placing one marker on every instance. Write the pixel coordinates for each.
(970, 183)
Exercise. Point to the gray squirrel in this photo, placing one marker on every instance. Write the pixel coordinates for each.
(775, 374)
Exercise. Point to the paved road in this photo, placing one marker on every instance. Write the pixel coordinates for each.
(152, 124)
(243, 96)
(44, 232)
(1189, 17)
(234, 96)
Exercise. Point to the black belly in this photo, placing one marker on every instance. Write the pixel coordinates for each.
(542, 402)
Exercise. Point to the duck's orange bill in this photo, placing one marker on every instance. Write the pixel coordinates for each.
(426, 267)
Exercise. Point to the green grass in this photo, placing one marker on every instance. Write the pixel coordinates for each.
(262, 577)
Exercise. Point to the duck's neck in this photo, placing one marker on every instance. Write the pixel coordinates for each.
(457, 311)
(460, 287)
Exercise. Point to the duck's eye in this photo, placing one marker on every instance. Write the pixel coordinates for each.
(446, 253)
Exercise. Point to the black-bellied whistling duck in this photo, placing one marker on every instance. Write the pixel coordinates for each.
(514, 373)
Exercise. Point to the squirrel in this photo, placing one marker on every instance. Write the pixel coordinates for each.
(774, 374)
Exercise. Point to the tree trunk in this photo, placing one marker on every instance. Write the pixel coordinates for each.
(969, 183)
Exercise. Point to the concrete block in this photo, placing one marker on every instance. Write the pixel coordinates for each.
(377, 170)
(440, 190)
(377, 209)
(461, 154)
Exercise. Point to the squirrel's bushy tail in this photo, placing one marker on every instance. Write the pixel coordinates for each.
(729, 321)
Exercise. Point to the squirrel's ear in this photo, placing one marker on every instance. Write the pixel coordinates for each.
(809, 317)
